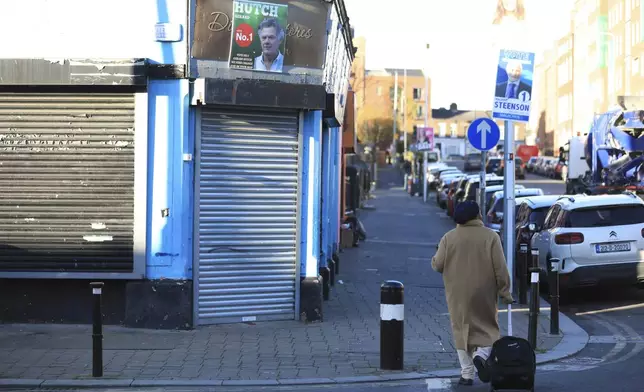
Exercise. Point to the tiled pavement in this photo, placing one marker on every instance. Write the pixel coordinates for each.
(402, 235)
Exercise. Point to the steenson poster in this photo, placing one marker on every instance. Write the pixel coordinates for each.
(258, 36)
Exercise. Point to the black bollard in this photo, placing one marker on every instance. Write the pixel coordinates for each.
(553, 273)
(523, 273)
(336, 258)
(325, 273)
(331, 263)
(97, 330)
(534, 307)
(535, 264)
(392, 325)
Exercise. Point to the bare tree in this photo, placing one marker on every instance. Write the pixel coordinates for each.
(377, 131)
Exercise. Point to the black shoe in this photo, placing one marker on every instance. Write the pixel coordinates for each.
(465, 381)
(481, 368)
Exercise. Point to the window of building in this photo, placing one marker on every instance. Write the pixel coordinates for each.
(453, 129)
(636, 66)
(418, 93)
(442, 129)
(419, 111)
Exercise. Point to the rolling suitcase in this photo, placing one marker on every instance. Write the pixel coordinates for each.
(512, 365)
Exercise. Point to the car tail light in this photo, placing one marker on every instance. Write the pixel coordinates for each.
(642, 232)
(569, 238)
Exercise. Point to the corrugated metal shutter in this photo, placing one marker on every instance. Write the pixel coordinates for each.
(66, 182)
(247, 216)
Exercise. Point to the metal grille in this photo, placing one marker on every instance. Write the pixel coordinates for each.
(247, 216)
(67, 182)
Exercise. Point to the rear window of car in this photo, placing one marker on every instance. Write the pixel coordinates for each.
(606, 216)
(518, 161)
(473, 157)
(538, 216)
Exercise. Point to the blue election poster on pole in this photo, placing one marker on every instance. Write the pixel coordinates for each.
(514, 79)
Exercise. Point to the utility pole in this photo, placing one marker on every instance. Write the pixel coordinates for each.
(393, 139)
(404, 108)
(426, 153)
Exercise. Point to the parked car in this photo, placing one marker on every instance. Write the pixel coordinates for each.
(529, 166)
(491, 190)
(474, 184)
(444, 187)
(519, 168)
(530, 215)
(472, 162)
(492, 165)
(597, 239)
(497, 210)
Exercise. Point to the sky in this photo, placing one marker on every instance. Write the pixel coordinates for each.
(464, 45)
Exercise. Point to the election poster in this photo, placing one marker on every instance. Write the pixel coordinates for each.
(513, 90)
(258, 36)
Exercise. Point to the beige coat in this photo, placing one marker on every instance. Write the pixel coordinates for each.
(472, 262)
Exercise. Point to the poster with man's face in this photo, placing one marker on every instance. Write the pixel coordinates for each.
(258, 36)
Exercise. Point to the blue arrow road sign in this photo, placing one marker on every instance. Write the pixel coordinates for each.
(483, 134)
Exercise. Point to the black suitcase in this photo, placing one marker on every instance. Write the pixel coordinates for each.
(512, 365)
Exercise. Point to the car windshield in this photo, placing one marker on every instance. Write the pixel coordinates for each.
(474, 157)
(432, 157)
(606, 216)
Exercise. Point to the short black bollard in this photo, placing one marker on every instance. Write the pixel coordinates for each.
(392, 325)
(331, 263)
(325, 273)
(97, 330)
(336, 258)
(535, 264)
(553, 274)
(523, 273)
(534, 307)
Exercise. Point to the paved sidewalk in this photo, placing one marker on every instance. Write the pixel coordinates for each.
(402, 236)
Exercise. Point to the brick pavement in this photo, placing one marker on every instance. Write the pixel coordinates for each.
(402, 235)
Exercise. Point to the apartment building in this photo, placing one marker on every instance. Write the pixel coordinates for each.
(375, 93)
(586, 70)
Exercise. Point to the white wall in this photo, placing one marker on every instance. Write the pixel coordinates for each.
(90, 29)
(337, 66)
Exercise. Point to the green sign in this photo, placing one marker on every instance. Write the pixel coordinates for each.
(603, 44)
(258, 36)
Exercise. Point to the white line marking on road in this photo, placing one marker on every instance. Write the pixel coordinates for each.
(438, 384)
(616, 309)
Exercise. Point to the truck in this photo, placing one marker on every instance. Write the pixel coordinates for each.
(610, 157)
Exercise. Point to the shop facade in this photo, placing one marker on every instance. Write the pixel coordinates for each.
(199, 191)
(265, 164)
(94, 123)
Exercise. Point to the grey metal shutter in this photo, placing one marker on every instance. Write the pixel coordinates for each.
(66, 182)
(248, 186)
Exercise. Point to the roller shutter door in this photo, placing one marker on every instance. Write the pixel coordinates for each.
(248, 186)
(67, 182)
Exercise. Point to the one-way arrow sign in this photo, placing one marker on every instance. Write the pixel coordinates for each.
(483, 134)
(483, 128)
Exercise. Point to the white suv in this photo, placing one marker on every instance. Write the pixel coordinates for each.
(597, 238)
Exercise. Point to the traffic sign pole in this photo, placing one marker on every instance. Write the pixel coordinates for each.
(509, 207)
(482, 187)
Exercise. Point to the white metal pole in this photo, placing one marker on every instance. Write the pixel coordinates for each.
(509, 206)
(404, 107)
(426, 153)
(393, 139)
